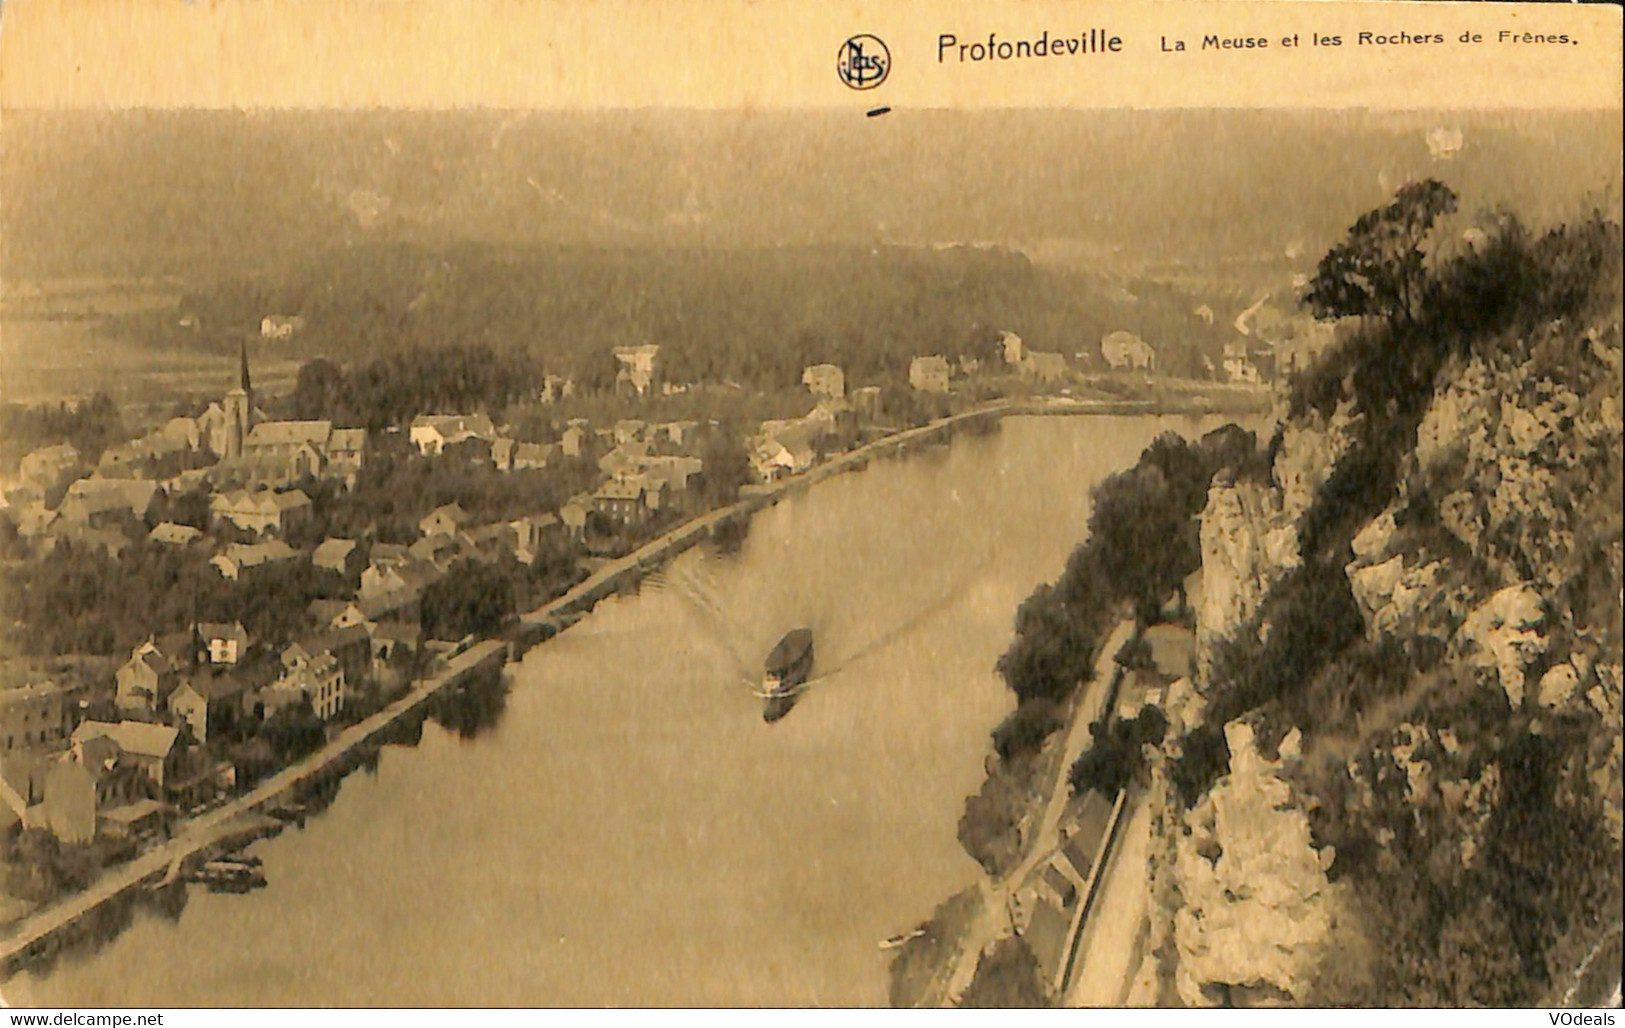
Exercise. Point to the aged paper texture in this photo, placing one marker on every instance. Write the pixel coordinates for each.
(586, 504)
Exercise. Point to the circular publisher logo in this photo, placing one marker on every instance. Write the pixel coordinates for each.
(864, 62)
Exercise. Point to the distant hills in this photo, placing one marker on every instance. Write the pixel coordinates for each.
(746, 243)
(204, 193)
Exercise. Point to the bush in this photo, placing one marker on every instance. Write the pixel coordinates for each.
(472, 599)
(1204, 759)
(1143, 542)
(293, 732)
(914, 969)
(988, 828)
(1025, 729)
(1116, 757)
(1053, 649)
(1006, 978)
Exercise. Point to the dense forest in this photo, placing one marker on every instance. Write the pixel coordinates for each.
(755, 317)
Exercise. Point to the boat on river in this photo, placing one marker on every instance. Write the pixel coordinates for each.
(785, 673)
(233, 875)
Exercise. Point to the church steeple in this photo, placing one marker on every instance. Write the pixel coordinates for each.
(239, 408)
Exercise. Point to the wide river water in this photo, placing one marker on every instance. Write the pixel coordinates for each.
(630, 832)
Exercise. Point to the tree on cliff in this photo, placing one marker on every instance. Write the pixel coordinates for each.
(1379, 270)
(1145, 534)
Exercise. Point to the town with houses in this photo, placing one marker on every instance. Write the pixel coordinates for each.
(111, 753)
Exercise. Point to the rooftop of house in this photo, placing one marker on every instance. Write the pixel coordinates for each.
(151, 657)
(456, 424)
(208, 630)
(488, 534)
(326, 610)
(1063, 888)
(1123, 338)
(214, 687)
(418, 573)
(622, 489)
(395, 631)
(253, 554)
(101, 755)
(132, 813)
(138, 737)
(335, 549)
(33, 690)
(453, 511)
(383, 604)
(170, 532)
(1046, 934)
(434, 545)
(263, 501)
(108, 493)
(287, 433)
(536, 521)
(334, 639)
(55, 452)
(1077, 854)
(347, 439)
(674, 471)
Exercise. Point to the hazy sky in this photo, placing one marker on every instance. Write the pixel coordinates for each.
(782, 53)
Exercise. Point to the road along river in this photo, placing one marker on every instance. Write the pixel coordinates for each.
(630, 832)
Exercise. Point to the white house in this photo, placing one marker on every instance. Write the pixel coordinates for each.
(1125, 351)
(1010, 345)
(280, 326)
(446, 520)
(432, 433)
(929, 374)
(223, 643)
(240, 557)
(826, 380)
(334, 554)
(320, 678)
(635, 370)
(262, 511)
(1238, 364)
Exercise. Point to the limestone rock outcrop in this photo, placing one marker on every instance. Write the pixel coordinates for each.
(1249, 542)
(1256, 904)
(1307, 454)
(1503, 634)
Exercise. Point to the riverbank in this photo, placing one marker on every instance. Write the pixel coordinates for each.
(201, 833)
(608, 578)
(208, 830)
(995, 921)
(1037, 825)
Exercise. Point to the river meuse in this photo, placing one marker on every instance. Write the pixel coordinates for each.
(630, 832)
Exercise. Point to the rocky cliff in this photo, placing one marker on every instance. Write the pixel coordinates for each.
(1409, 646)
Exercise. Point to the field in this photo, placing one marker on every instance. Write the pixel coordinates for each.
(51, 361)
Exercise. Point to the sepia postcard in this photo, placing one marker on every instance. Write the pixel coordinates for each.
(620, 503)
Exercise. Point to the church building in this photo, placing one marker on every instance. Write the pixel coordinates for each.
(276, 454)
